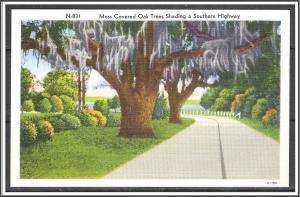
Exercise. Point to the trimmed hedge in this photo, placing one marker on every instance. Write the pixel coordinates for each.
(36, 117)
(28, 132)
(28, 106)
(57, 123)
(68, 103)
(45, 130)
(98, 115)
(57, 104)
(87, 119)
(72, 122)
(44, 105)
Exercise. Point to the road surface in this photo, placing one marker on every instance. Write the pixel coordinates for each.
(212, 148)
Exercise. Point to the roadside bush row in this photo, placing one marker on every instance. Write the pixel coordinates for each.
(42, 126)
(248, 102)
(43, 102)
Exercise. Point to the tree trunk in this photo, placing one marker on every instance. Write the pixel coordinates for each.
(136, 117)
(79, 88)
(175, 110)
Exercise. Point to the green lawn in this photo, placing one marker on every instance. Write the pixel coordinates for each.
(272, 132)
(94, 98)
(192, 102)
(89, 152)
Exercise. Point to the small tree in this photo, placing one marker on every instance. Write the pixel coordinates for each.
(102, 106)
(114, 103)
(26, 83)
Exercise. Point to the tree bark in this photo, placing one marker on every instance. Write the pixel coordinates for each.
(175, 110)
(136, 116)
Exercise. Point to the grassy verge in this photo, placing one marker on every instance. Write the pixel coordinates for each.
(272, 132)
(89, 152)
(192, 102)
(94, 98)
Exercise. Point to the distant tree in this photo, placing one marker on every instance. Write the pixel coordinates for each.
(114, 103)
(60, 82)
(26, 83)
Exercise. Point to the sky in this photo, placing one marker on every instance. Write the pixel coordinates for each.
(40, 70)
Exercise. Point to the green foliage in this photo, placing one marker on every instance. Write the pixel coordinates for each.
(209, 97)
(28, 132)
(249, 103)
(26, 83)
(87, 119)
(45, 130)
(113, 120)
(57, 104)
(68, 103)
(60, 82)
(44, 105)
(114, 103)
(102, 106)
(98, 115)
(36, 117)
(28, 106)
(271, 118)
(259, 108)
(71, 122)
(57, 123)
(160, 110)
(56, 32)
(222, 103)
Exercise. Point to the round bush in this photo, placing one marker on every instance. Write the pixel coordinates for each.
(57, 123)
(222, 103)
(98, 115)
(102, 106)
(68, 104)
(259, 108)
(57, 104)
(45, 130)
(44, 105)
(87, 119)
(270, 117)
(28, 105)
(28, 132)
(72, 122)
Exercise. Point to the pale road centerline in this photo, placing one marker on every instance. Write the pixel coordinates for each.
(215, 148)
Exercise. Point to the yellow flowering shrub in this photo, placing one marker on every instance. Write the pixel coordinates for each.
(98, 115)
(269, 115)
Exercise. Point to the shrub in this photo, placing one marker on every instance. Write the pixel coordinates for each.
(271, 118)
(98, 115)
(238, 99)
(68, 103)
(102, 106)
(209, 97)
(45, 130)
(36, 117)
(57, 104)
(223, 102)
(28, 105)
(259, 108)
(113, 120)
(87, 119)
(71, 122)
(160, 108)
(44, 105)
(28, 132)
(249, 103)
(57, 123)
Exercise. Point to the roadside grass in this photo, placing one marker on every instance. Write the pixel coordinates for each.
(94, 98)
(89, 152)
(269, 131)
